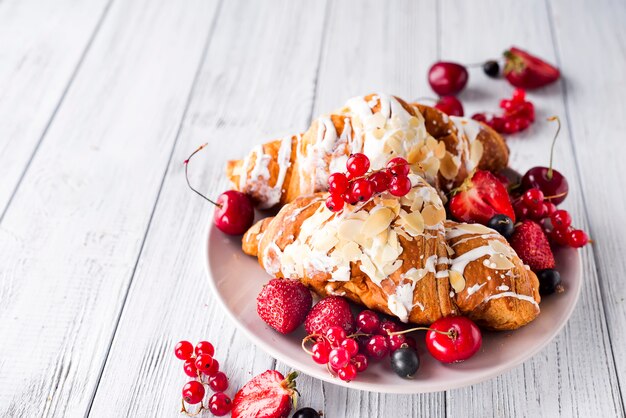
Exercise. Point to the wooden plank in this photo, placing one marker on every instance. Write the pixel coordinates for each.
(71, 237)
(255, 84)
(579, 361)
(595, 58)
(42, 45)
(374, 47)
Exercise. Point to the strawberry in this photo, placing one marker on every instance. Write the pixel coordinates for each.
(283, 304)
(479, 198)
(328, 312)
(267, 395)
(531, 245)
(527, 71)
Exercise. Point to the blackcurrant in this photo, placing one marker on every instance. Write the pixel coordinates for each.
(306, 413)
(405, 362)
(491, 68)
(503, 224)
(549, 279)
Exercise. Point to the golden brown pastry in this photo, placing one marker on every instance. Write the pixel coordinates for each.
(399, 256)
(442, 149)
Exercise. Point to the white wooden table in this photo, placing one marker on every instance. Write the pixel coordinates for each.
(101, 270)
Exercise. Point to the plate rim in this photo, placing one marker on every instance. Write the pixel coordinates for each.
(313, 372)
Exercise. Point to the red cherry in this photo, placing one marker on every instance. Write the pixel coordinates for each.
(361, 190)
(204, 363)
(190, 368)
(220, 404)
(555, 188)
(320, 351)
(204, 347)
(334, 202)
(398, 167)
(367, 322)
(193, 392)
(337, 183)
(219, 382)
(347, 373)
(450, 105)
(480, 117)
(400, 186)
(561, 219)
(447, 78)
(519, 95)
(338, 358)
(577, 238)
(183, 350)
(234, 213)
(358, 164)
(380, 181)
(533, 198)
(361, 362)
(335, 335)
(351, 346)
(460, 340)
(377, 347)
(560, 236)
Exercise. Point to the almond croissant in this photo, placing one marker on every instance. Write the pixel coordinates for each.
(399, 256)
(442, 149)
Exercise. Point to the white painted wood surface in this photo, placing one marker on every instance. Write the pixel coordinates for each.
(100, 262)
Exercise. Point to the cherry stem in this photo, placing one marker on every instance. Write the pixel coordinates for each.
(558, 129)
(555, 196)
(450, 333)
(186, 162)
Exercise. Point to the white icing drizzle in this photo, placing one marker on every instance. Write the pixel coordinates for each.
(473, 289)
(512, 295)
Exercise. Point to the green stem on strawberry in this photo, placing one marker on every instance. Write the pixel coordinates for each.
(558, 129)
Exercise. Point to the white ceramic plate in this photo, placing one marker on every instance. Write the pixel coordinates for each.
(236, 280)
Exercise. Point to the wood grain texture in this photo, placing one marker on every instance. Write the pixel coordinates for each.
(579, 361)
(594, 102)
(71, 236)
(41, 46)
(254, 84)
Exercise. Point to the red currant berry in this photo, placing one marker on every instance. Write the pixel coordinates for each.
(398, 167)
(537, 213)
(519, 95)
(320, 351)
(358, 164)
(183, 350)
(377, 347)
(510, 126)
(361, 362)
(361, 190)
(410, 341)
(400, 186)
(337, 183)
(522, 123)
(527, 111)
(533, 198)
(351, 346)
(338, 358)
(380, 181)
(204, 363)
(334, 202)
(347, 373)
(193, 392)
(560, 236)
(368, 322)
(220, 404)
(507, 104)
(550, 208)
(578, 238)
(395, 342)
(347, 198)
(190, 368)
(219, 382)
(561, 219)
(497, 123)
(387, 326)
(480, 117)
(204, 347)
(215, 367)
(335, 335)
(521, 211)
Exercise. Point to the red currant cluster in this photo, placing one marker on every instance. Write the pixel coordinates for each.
(518, 114)
(358, 185)
(557, 223)
(199, 364)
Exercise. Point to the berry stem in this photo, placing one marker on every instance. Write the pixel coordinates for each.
(307, 339)
(186, 162)
(184, 410)
(450, 333)
(558, 129)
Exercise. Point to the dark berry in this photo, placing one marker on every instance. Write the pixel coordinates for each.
(405, 362)
(502, 224)
(549, 279)
(491, 68)
(306, 413)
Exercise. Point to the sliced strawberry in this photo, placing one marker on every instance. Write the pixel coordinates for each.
(527, 71)
(480, 198)
(267, 395)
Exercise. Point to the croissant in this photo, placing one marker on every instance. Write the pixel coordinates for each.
(442, 149)
(399, 256)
